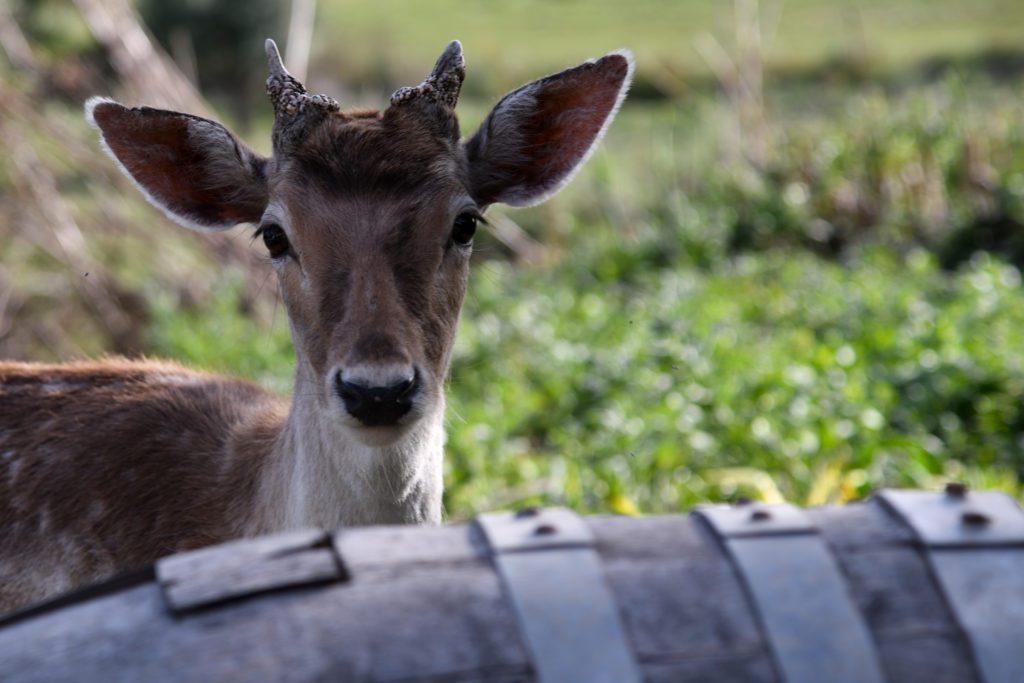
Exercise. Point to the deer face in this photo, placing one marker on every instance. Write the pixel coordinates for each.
(369, 225)
(368, 217)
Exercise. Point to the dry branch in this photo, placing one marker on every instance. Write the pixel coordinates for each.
(146, 72)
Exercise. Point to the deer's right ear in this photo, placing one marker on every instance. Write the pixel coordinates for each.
(537, 136)
(191, 168)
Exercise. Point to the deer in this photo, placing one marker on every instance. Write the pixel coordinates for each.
(368, 218)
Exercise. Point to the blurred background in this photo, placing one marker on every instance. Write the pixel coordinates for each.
(791, 271)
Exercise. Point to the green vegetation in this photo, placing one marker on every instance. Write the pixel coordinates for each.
(681, 386)
(844, 317)
(806, 292)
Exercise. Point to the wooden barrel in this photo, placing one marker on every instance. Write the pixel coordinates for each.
(908, 586)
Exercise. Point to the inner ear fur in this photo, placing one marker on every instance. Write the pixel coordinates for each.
(191, 168)
(538, 136)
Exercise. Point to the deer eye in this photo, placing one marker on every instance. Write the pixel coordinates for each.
(464, 228)
(275, 240)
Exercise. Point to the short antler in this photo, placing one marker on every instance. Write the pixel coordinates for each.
(444, 82)
(294, 108)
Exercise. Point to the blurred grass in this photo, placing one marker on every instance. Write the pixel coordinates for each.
(838, 312)
(522, 39)
(776, 373)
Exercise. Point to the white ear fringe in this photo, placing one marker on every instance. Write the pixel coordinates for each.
(533, 200)
(180, 219)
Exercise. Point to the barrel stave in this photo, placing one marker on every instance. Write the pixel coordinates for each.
(681, 602)
(890, 582)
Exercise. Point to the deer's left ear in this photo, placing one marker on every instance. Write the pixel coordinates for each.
(536, 137)
(191, 168)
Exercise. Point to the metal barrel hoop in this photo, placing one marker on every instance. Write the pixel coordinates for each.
(813, 629)
(974, 545)
(566, 613)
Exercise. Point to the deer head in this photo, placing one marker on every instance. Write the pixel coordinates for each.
(368, 216)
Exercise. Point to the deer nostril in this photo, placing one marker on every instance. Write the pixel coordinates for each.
(351, 393)
(377, 405)
(406, 388)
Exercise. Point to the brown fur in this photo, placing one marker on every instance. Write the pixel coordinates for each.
(138, 473)
(378, 222)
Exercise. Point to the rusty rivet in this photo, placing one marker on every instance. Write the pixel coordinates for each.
(760, 515)
(956, 489)
(530, 511)
(544, 530)
(975, 518)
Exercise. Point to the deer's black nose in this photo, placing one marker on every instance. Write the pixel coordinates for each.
(378, 406)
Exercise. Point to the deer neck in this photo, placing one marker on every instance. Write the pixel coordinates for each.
(319, 475)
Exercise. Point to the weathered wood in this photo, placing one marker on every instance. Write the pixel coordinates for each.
(917, 637)
(241, 568)
(425, 604)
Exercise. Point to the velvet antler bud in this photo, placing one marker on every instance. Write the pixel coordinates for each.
(294, 108)
(444, 82)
